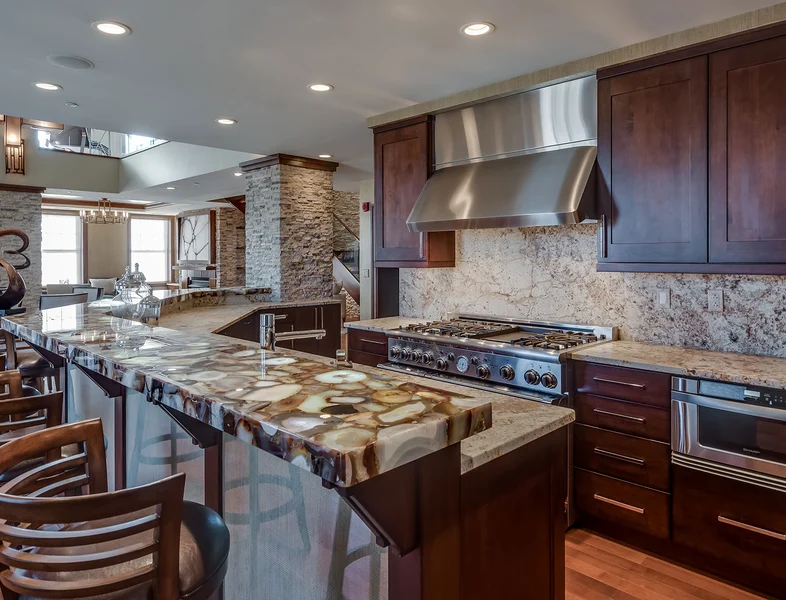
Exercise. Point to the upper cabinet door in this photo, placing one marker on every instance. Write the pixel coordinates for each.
(402, 164)
(748, 153)
(652, 153)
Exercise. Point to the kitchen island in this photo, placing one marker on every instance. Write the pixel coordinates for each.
(370, 461)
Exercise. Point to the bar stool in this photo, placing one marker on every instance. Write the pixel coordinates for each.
(131, 544)
(30, 364)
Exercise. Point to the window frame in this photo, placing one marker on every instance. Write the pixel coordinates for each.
(81, 254)
(169, 243)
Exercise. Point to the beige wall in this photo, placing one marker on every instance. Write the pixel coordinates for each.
(366, 251)
(107, 250)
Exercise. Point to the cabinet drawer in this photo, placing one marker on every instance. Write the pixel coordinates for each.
(622, 503)
(625, 417)
(731, 522)
(630, 458)
(364, 358)
(371, 342)
(646, 387)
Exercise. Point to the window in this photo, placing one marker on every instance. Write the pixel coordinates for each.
(61, 249)
(149, 246)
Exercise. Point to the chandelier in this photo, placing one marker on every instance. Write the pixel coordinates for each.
(103, 215)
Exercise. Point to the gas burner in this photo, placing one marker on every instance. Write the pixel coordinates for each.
(460, 328)
(558, 340)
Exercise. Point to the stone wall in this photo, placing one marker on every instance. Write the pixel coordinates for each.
(22, 210)
(289, 231)
(230, 247)
(549, 273)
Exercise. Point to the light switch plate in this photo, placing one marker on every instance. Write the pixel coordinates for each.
(663, 298)
(365, 273)
(715, 300)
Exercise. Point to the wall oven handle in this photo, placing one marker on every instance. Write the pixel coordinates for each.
(625, 383)
(622, 457)
(606, 413)
(752, 410)
(619, 504)
(752, 528)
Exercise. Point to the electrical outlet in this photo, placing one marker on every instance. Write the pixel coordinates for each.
(663, 298)
(715, 300)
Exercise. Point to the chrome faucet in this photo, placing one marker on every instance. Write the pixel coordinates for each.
(268, 336)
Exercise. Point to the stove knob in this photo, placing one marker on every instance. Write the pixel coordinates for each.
(474, 360)
(507, 372)
(532, 377)
(428, 358)
(442, 364)
(549, 380)
(417, 355)
(395, 352)
(406, 353)
(451, 356)
(484, 372)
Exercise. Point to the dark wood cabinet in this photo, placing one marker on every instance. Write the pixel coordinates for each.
(367, 347)
(403, 159)
(652, 154)
(691, 147)
(748, 153)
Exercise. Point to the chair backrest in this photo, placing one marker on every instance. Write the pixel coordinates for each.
(115, 531)
(22, 416)
(59, 288)
(10, 384)
(58, 300)
(93, 293)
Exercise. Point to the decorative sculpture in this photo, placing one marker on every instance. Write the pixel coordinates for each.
(16, 289)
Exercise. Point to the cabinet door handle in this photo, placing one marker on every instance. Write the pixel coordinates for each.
(625, 383)
(420, 245)
(602, 236)
(622, 457)
(606, 413)
(619, 504)
(752, 528)
(378, 343)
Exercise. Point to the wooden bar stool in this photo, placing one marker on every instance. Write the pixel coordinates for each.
(131, 544)
(30, 364)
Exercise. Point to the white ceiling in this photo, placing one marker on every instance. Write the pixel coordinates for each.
(190, 61)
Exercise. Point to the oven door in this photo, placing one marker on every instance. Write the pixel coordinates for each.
(741, 435)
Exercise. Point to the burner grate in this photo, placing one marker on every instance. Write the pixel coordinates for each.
(558, 340)
(460, 328)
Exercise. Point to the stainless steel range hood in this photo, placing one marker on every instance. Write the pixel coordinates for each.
(521, 161)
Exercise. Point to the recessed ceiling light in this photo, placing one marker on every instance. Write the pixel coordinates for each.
(325, 156)
(479, 28)
(320, 87)
(112, 27)
(171, 188)
(238, 174)
(225, 121)
(72, 104)
(49, 87)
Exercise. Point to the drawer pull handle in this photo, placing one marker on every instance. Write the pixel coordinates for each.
(622, 457)
(618, 504)
(279, 317)
(606, 413)
(377, 342)
(746, 527)
(625, 383)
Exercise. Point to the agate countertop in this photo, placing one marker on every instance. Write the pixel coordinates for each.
(345, 425)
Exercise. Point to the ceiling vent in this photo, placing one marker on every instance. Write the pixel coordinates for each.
(70, 62)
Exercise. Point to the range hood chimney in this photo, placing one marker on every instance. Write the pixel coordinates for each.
(521, 161)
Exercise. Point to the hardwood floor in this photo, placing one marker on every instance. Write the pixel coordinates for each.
(599, 569)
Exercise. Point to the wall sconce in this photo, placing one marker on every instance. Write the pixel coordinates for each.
(14, 146)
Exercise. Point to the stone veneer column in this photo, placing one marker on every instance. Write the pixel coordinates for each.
(230, 247)
(20, 208)
(289, 226)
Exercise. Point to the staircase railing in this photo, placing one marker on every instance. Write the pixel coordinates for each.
(346, 253)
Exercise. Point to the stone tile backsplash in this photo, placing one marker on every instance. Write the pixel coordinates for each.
(548, 273)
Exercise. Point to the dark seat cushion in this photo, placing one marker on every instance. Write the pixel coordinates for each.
(29, 359)
(204, 548)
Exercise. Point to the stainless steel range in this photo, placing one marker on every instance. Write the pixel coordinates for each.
(511, 356)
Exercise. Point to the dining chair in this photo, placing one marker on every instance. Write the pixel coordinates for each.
(93, 293)
(59, 288)
(131, 544)
(30, 364)
(48, 301)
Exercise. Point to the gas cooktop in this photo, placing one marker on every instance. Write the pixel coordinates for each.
(514, 354)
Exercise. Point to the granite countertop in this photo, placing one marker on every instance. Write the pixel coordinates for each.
(383, 324)
(745, 369)
(214, 318)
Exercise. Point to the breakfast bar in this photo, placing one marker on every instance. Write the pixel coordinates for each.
(316, 466)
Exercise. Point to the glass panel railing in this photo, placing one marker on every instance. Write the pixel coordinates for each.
(98, 142)
(346, 246)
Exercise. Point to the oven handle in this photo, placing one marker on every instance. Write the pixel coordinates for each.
(751, 410)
